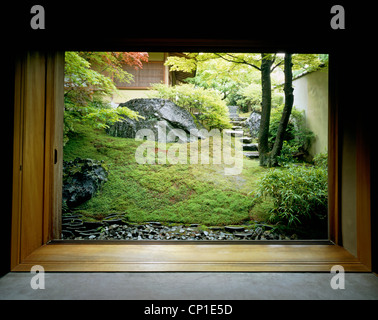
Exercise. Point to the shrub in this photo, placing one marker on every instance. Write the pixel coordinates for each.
(97, 113)
(299, 193)
(212, 110)
(321, 160)
(297, 136)
(286, 156)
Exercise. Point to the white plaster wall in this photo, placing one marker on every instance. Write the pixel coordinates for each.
(311, 95)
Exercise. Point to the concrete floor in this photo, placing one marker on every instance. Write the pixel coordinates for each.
(188, 286)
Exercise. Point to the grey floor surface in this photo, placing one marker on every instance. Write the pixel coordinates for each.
(188, 286)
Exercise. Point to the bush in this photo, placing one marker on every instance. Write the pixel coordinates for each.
(297, 136)
(286, 157)
(299, 193)
(212, 110)
(321, 160)
(97, 113)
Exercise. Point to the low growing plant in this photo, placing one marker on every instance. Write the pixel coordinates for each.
(299, 193)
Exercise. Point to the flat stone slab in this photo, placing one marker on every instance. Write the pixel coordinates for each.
(234, 132)
(246, 140)
(234, 229)
(238, 118)
(250, 147)
(243, 235)
(251, 154)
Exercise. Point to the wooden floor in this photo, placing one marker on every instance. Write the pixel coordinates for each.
(189, 257)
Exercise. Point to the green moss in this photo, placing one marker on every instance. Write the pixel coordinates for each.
(181, 193)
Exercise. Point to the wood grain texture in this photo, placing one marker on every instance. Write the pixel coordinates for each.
(32, 153)
(54, 145)
(242, 258)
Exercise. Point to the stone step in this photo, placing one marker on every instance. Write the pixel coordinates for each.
(237, 128)
(246, 139)
(238, 123)
(234, 133)
(251, 154)
(250, 147)
(238, 118)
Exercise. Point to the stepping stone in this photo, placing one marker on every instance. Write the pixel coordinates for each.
(250, 147)
(237, 122)
(251, 154)
(243, 235)
(234, 132)
(238, 118)
(233, 229)
(246, 139)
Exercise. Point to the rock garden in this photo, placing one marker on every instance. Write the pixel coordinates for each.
(114, 228)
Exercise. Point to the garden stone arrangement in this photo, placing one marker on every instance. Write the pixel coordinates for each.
(158, 115)
(243, 128)
(114, 227)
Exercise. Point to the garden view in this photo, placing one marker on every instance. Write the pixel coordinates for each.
(217, 149)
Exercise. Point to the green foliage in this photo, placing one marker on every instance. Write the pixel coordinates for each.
(321, 160)
(300, 193)
(309, 63)
(96, 113)
(237, 76)
(297, 137)
(88, 73)
(88, 79)
(286, 156)
(252, 98)
(181, 64)
(212, 110)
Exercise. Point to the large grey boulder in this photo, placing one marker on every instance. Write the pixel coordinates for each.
(253, 123)
(81, 180)
(161, 116)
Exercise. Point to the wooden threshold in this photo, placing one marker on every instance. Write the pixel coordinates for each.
(190, 258)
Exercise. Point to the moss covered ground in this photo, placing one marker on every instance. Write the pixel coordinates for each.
(176, 193)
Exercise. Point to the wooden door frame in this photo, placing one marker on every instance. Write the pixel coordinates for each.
(33, 247)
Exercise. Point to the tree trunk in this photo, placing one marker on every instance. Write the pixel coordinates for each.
(266, 64)
(289, 100)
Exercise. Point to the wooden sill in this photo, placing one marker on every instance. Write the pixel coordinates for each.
(190, 257)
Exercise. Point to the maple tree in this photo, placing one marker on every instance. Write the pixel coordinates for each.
(89, 73)
(89, 78)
